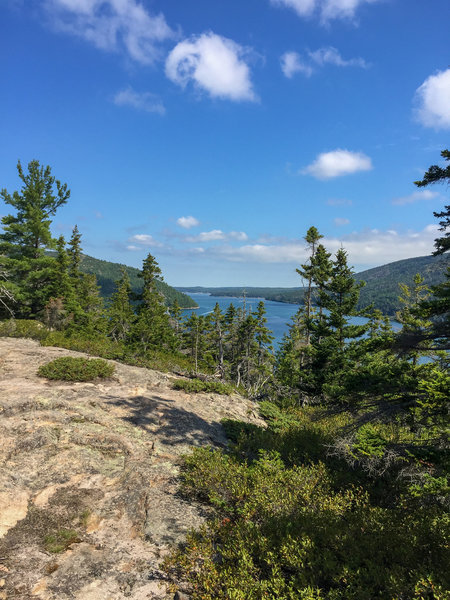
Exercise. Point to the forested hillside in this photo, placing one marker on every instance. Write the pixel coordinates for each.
(108, 273)
(382, 284)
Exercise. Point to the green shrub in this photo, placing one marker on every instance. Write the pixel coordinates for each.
(68, 368)
(195, 386)
(23, 328)
(287, 533)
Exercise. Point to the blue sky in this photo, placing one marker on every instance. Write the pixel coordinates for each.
(213, 134)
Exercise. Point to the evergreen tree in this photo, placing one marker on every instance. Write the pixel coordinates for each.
(414, 319)
(91, 318)
(307, 271)
(152, 329)
(120, 312)
(195, 328)
(334, 336)
(57, 312)
(217, 338)
(74, 252)
(176, 320)
(26, 236)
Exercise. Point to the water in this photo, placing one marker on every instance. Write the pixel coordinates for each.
(278, 314)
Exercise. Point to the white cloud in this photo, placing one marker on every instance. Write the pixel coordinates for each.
(332, 56)
(327, 10)
(240, 236)
(292, 62)
(337, 163)
(145, 101)
(143, 240)
(365, 248)
(214, 64)
(207, 236)
(415, 197)
(302, 7)
(188, 222)
(217, 235)
(340, 9)
(433, 100)
(340, 221)
(113, 25)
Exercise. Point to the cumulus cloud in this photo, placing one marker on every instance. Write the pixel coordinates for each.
(337, 163)
(142, 240)
(217, 235)
(145, 101)
(365, 248)
(433, 101)
(188, 222)
(332, 56)
(214, 64)
(112, 25)
(340, 221)
(326, 10)
(415, 197)
(293, 62)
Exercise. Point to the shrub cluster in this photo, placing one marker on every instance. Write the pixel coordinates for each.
(68, 368)
(291, 523)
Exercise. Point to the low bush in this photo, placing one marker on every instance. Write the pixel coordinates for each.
(68, 368)
(23, 328)
(194, 386)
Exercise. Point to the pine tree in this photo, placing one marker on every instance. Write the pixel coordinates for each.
(414, 319)
(217, 338)
(57, 311)
(74, 252)
(152, 329)
(120, 312)
(195, 328)
(333, 334)
(26, 236)
(307, 271)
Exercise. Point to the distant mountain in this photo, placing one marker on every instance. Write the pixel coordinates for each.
(108, 273)
(381, 289)
(382, 282)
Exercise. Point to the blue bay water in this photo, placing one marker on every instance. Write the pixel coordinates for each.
(278, 314)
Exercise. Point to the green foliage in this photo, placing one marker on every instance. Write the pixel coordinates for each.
(68, 368)
(197, 385)
(25, 328)
(61, 540)
(108, 273)
(285, 528)
(26, 236)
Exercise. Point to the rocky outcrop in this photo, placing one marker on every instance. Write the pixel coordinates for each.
(89, 501)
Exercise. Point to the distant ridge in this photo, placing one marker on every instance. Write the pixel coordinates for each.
(381, 289)
(108, 273)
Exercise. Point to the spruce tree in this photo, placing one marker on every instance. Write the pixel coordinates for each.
(307, 272)
(26, 236)
(334, 335)
(152, 329)
(120, 312)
